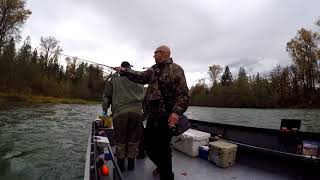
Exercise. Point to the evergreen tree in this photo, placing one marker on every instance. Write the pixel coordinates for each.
(226, 78)
(242, 75)
(34, 57)
(7, 65)
(9, 51)
(25, 52)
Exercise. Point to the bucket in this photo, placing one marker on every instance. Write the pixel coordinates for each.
(106, 121)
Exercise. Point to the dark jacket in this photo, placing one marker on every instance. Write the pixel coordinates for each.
(167, 91)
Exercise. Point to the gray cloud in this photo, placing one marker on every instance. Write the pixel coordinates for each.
(245, 33)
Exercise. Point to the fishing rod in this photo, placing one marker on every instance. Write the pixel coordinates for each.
(85, 60)
(92, 62)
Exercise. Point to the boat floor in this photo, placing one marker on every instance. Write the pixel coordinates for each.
(249, 165)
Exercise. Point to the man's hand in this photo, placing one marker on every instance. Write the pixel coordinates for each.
(173, 119)
(119, 69)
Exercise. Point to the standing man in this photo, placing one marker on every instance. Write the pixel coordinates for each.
(166, 100)
(125, 98)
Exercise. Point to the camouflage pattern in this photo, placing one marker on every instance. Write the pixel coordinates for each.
(167, 91)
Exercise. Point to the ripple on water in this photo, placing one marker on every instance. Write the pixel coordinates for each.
(42, 141)
(49, 141)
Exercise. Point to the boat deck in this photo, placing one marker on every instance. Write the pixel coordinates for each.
(249, 165)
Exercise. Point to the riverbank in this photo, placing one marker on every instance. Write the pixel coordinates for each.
(15, 97)
(299, 106)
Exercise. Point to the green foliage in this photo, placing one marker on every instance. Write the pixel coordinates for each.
(7, 65)
(27, 72)
(278, 89)
(304, 50)
(35, 75)
(226, 78)
(296, 85)
(242, 81)
(12, 16)
(199, 93)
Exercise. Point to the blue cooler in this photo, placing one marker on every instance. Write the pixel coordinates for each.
(204, 152)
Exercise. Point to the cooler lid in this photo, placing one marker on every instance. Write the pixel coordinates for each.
(223, 144)
(195, 135)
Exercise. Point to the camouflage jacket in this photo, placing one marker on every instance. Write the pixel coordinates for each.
(167, 91)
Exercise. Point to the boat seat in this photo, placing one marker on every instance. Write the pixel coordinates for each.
(292, 125)
(289, 134)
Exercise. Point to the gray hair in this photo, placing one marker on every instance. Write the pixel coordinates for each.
(165, 49)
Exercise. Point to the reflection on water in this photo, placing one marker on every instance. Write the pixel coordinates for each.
(49, 141)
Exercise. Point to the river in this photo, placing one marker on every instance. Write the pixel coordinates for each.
(49, 141)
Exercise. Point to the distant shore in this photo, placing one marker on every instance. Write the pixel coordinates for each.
(300, 106)
(16, 97)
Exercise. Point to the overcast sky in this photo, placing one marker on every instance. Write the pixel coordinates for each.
(249, 33)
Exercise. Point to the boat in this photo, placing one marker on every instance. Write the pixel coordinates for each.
(286, 141)
(262, 154)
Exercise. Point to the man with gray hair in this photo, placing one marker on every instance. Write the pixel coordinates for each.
(166, 100)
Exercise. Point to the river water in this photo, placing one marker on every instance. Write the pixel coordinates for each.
(49, 141)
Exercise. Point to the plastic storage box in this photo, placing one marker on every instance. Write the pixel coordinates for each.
(222, 153)
(204, 152)
(189, 142)
(311, 148)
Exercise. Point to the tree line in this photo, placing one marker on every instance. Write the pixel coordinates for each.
(34, 71)
(296, 85)
(38, 72)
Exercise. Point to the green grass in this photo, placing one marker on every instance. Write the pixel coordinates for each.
(16, 97)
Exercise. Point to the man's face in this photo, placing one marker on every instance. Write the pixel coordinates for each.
(158, 56)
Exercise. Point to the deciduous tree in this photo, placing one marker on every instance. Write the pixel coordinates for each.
(13, 15)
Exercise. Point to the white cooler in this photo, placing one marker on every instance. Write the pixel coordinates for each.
(189, 141)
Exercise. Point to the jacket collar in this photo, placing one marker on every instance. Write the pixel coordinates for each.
(169, 61)
(158, 65)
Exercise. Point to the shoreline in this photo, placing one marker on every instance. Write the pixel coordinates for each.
(302, 106)
(16, 97)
